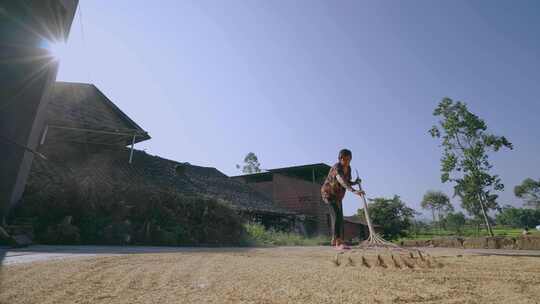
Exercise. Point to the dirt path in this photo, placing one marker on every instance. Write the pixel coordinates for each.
(273, 275)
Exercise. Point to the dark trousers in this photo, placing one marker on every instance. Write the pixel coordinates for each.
(336, 219)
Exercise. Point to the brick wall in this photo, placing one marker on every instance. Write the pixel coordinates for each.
(265, 188)
(303, 197)
(354, 230)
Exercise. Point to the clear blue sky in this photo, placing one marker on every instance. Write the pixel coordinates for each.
(295, 81)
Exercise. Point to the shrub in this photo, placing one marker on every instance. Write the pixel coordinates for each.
(391, 214)
(117, 214)
(256, 234)
(455, 222)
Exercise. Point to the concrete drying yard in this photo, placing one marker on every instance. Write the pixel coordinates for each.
(92, 274)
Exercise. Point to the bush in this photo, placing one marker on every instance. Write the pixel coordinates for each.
(455, 222)
(391, 214)
(137, 214)
(63, 233)
(256, 234)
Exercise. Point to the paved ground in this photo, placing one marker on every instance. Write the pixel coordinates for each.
(44, 253)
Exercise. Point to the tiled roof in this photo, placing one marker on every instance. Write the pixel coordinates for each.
(77, 109)
(111, 166)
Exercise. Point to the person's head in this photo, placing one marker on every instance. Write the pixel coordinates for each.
(526, 228)
(345, 157)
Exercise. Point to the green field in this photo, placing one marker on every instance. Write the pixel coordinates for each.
(431, 233)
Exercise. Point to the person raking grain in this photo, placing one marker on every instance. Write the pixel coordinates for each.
(333, 190)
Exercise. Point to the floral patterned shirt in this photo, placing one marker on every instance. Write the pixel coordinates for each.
(333, 189)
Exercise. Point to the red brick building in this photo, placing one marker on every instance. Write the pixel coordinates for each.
(296, 189)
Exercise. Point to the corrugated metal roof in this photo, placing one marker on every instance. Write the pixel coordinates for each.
(308, 172)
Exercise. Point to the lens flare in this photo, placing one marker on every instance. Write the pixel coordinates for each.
(58, 50)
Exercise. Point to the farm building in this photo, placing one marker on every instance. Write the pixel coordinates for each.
(298, 189)
(89, 140)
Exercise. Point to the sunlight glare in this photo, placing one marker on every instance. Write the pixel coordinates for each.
(58, 50)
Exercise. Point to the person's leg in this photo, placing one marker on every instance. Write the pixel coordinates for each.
(340, 229)
(333, 210)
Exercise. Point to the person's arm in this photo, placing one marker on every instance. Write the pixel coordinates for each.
(356, 181)
(345, 184)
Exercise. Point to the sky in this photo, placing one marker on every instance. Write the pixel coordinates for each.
(296, 81)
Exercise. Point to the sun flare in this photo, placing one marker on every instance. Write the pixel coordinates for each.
(58, 50)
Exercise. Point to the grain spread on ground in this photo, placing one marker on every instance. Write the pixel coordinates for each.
(272, 275)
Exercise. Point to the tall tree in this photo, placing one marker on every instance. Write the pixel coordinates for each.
(465, 162)
(391, 214)
(251, 164)
(529, 191)
(438, 202)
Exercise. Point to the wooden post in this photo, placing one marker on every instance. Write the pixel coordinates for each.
(132, 146)
(44, 135)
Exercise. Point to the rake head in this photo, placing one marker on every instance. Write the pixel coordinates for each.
(375, 241)
(384, 251)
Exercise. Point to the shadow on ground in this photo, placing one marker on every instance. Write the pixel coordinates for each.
(3, 251)
(52, 252)
(48, 252)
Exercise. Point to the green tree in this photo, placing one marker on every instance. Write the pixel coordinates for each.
(529, 191)
(455, 221)
(438, 202)
(465, 162)
(518, 217)
(391, 214)
(417, 227)
(251, 164)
